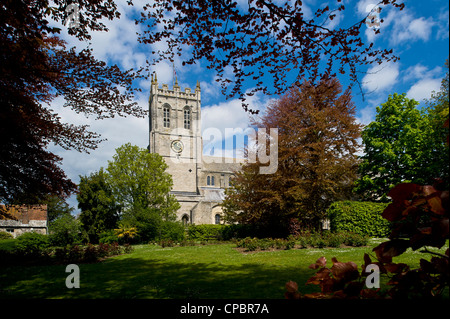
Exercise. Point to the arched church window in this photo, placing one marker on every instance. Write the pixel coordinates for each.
(217, 219)
(187, 117)
(208, 180)
(166, 116)
(212, 180)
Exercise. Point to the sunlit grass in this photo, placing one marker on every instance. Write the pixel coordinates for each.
(211, 271)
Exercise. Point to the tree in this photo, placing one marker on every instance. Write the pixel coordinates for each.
(317, 162)
(56, 208)
(141, 186)
(65, 230)
(35, 67)
(400, 146)
(99, 211)
(277, 40)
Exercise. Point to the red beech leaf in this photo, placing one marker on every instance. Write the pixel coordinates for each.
(319, 276)
(321, 262)
(291, 286)
(393, 212)
(428, 190)
(404, 191)
(317, 295)
(435, 203)
(345, 271)
(396, 268)
(385, 251)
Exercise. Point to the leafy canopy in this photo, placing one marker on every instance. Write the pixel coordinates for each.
(271, 39)
(36, 67)
(317, 143)
(139, 181)
(400, 146)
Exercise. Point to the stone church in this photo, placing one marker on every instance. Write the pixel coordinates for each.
(175, 133)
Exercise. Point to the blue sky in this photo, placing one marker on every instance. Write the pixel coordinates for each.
(419, 35)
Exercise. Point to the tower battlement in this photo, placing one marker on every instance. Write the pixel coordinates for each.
(176, 91)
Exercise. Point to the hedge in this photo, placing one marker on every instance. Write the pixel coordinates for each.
(363, 218)
(205, 232)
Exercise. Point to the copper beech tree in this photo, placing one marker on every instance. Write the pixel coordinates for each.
(35, 68)
(317, 161)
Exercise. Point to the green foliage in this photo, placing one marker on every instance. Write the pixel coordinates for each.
(315, 240)
(126, 234)
(141, 187)
(205, 232)
(234, 231)
(138, 180)
(56, 208)
(99, 211)
(172, 230)
(32, 244)
(89, 252)
(364, 218)
(5, 235)
(401, 145)
(65, 231)
(108, 237)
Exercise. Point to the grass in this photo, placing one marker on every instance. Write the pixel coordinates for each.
(211, 271)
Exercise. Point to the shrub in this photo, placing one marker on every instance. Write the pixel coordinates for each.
(89, 253)
(205, 232)
(65, 231)
(32, 244)
(166, 243)
(334, 240)
(108, 237)
(126, 234)
(356, 240)
(5, 235)
(363, 218)
(172, 230)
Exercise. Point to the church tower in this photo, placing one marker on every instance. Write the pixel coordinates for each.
(175, 133)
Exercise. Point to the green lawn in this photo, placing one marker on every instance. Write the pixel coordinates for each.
(213, 271)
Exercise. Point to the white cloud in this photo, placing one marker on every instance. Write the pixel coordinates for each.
(420, 71)
(367, 115)
(230, 119)
(423, 88)
(229, 114)
(117, 131)
(408, 29)
(443, 25)
(423, 80)
(380, 77)
(398, 26)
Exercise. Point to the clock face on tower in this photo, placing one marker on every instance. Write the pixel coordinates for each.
(177, 146)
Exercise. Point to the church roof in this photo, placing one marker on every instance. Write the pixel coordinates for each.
(213, 194)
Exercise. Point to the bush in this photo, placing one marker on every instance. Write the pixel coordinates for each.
(88, 253)
(355, 240)
(205, 232)
(166, 243)
(65, 231)
(126, 234)
(173, 231)
(5, 235)
(363, 218)
(32, 244)
(108, 237)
